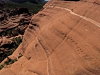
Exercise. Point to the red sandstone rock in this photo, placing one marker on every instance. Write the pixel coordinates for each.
(62, 39)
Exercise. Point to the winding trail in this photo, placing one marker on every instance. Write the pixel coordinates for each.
(83, 17)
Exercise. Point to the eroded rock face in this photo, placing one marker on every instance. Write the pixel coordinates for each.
(13, 24)
(62, 39)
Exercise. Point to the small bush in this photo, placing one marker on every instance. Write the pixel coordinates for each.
(10, 48)
(10, 61)
(16, 41)
(1, 66)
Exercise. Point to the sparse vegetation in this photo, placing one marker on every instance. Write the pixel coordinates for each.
(10, 61)
(10, 48)
(16, 42)
(1, 66)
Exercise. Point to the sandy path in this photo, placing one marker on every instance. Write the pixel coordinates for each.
(83, 17)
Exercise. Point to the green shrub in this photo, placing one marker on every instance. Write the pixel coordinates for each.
(16, 42)
(10, 61)
(10, 48)
(1, 66)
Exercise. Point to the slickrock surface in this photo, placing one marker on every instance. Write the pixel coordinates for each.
(62, 39)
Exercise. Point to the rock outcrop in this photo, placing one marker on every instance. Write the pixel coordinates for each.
(13, 24)
(62, 39)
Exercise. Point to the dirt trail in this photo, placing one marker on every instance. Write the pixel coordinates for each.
(83, 17)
